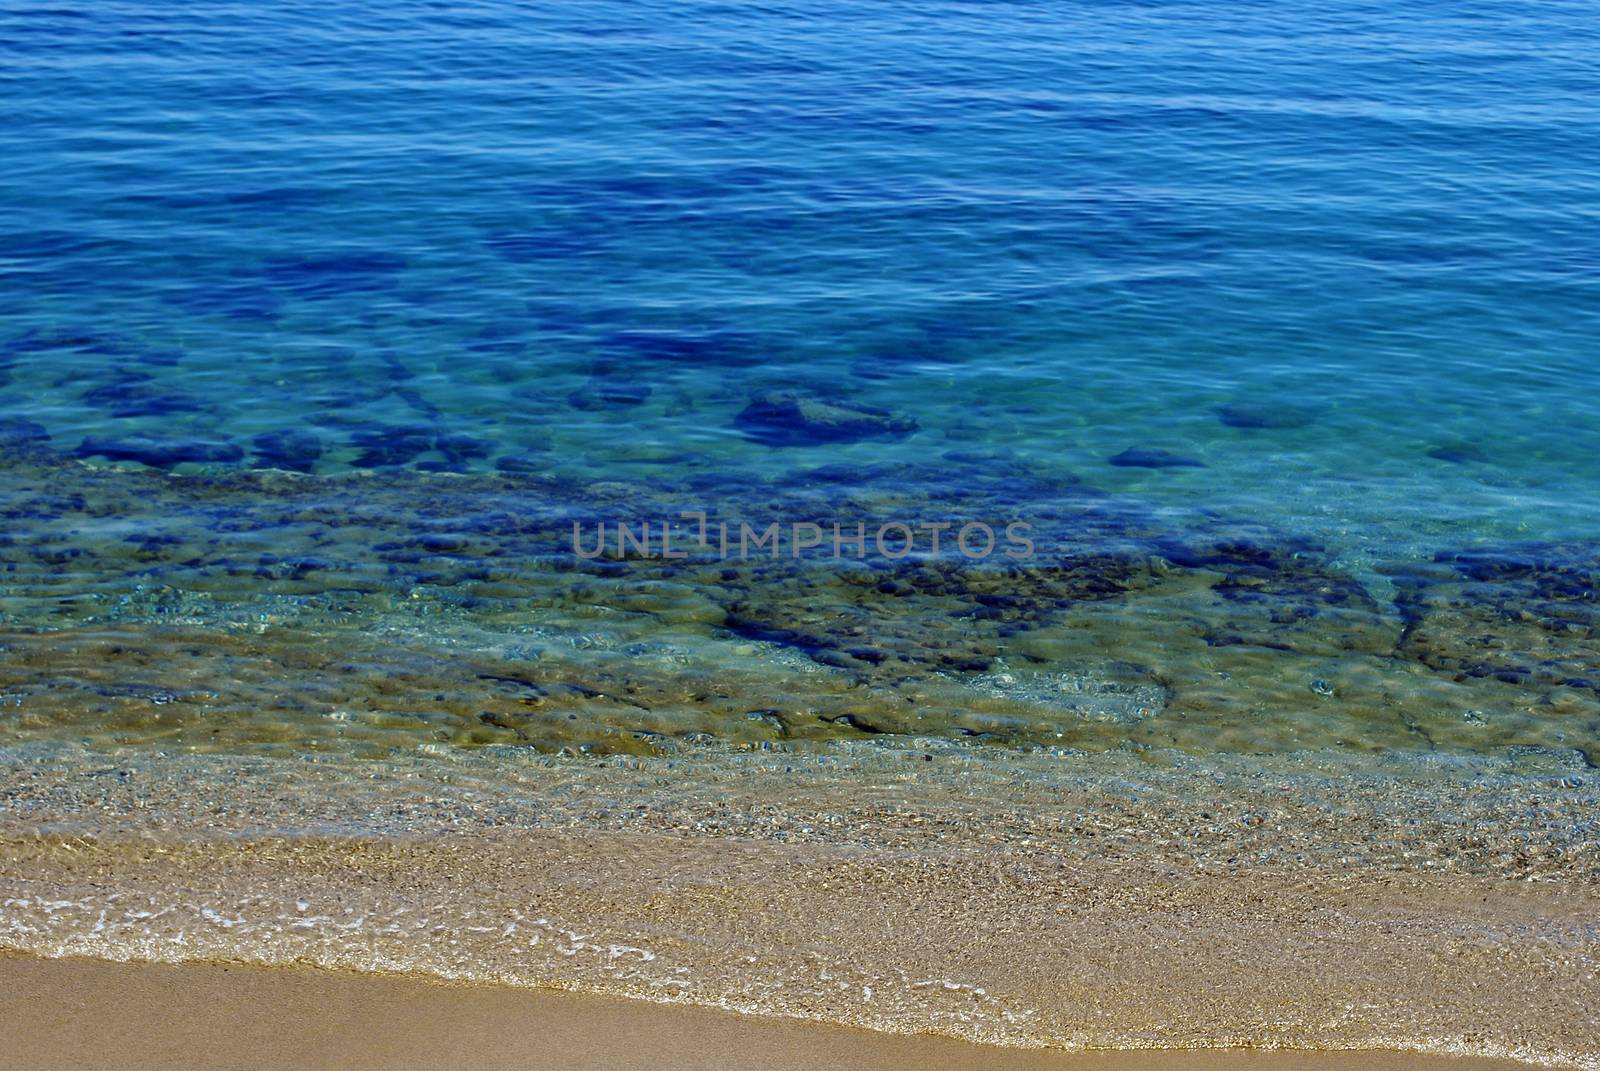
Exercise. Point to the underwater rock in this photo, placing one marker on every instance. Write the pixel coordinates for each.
(1150, 457)
(20, 435)
(389, 445)
(1298, 606)
(458, 447)
(1459, 454)
(1524, 614)
(1266, 415)
(790, 418)
(294, 449)
(1236, 549)
(1215, 624)
(272, 567)
(159, 453)
(521, 465)
(909, 618)
(897, 621)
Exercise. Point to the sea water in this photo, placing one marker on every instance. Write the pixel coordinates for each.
(333, 333)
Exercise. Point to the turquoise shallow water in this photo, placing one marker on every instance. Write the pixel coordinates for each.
(1326, 270)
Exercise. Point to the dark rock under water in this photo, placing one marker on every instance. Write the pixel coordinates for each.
(1522, 614)
(22, 434)
(1459, 454)
(131, 395)
(160, 453)
(296, 450)
(387, 446)
(411, 599)
(1268, 416)
(791, 418)
(1151, 457)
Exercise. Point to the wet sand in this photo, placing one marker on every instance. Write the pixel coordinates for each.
(1016, 951)
(76, 1013)
(1105, 904)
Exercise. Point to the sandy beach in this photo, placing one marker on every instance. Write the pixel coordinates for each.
(676, 534)
(75, 1013)
(1091, 922)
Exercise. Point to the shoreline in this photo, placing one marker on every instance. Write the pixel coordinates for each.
(1072, 902)
(137, 1016)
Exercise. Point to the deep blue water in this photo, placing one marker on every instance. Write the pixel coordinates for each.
(1063, 228)
(1340, 258)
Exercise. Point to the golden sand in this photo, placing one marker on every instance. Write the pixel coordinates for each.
(1080, 904)
(75, 1014)
(1006, 948)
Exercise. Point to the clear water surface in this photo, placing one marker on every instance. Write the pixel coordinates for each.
(512, 260)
